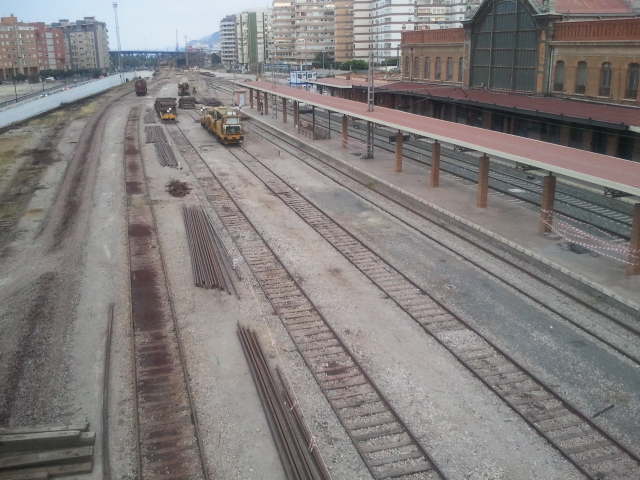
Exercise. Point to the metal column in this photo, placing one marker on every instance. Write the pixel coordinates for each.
(345, 133)
(329, 129)
(313, 122)
(634, 243)
(369, 153)
(435, 164)
(266, 103)
(284, 110)
(483, 181)
(297, 114)
(251, 97)
(546, 204)
(399, 141)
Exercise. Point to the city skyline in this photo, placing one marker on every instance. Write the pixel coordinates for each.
(165, 16)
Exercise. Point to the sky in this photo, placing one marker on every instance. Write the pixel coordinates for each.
(144, 24)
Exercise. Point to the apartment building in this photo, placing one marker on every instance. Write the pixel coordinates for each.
(378, 24)
(52, 53)
(283, 36)
(314, 26)
(18, 49)
(344, 30)
(252, 38)
(228, 41)
(88, 43)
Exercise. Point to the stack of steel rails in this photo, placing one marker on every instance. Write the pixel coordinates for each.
(209, 259)
(166, 157)
(154, 134)
(300, 459)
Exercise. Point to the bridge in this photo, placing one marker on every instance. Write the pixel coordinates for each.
(147, 52)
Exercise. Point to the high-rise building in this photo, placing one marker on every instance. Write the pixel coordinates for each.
(344, 30)
(52, 54)
(314, 29)
(18, 49)
(378, 24)
(283, 36)
(88, 43)
(252, 34)
(228, 41)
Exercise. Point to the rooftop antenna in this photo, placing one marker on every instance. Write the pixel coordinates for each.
(177, 46)
(115, 12)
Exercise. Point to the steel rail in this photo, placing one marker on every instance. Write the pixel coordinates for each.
(329, 360)
(559, 289)
(168, 439)
(569, 431)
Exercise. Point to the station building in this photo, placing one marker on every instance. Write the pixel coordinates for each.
(566, 72)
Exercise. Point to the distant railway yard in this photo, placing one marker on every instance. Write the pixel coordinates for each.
(203, 276)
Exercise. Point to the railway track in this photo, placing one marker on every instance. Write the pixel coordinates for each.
(624, 320)
(592, 450)
(168, 441)
(601, 213)
(385, 444)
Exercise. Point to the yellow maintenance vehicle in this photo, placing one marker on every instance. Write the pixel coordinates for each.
(166, 108)
(224, 123)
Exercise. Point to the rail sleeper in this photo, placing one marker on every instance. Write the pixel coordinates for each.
(515, 383)
(320, 353)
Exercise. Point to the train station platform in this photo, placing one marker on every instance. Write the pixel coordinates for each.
(507, 222)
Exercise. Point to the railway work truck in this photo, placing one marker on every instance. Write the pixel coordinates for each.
(166, 108)
(140, 86)
(224, 123)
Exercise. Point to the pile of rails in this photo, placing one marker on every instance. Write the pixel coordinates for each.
(188, 103)
(44, 452)
(211, 102)
(298, 454)
(166, 157)
(155, 134)
(209, 259)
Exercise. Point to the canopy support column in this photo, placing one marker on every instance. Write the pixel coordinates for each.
(546, 205)
(399, 145)
(313, 122)
(266, 103)
(634, 243)
(345, 134)
(284, 110)
(483, 181)
(251, 98)
(435, 164)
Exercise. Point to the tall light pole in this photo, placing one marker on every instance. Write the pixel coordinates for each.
(115, 12)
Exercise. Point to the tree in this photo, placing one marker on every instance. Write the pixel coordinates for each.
(322, 59)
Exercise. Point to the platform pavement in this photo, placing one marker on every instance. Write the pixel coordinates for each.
(505, 219)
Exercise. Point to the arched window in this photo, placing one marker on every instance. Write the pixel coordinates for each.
(416, 71)
(406, 65)
(427, 68)
(558, 77)
(504, 46)
(449, 74)
(460, 63)
(633, 78)
(438, 69)
(605, 80)
(581, 78)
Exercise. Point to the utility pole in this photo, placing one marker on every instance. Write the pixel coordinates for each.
(186, 53)
(370, 105)
(115, 12)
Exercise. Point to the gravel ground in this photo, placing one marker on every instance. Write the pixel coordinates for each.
(450, 419)
(576, 365)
